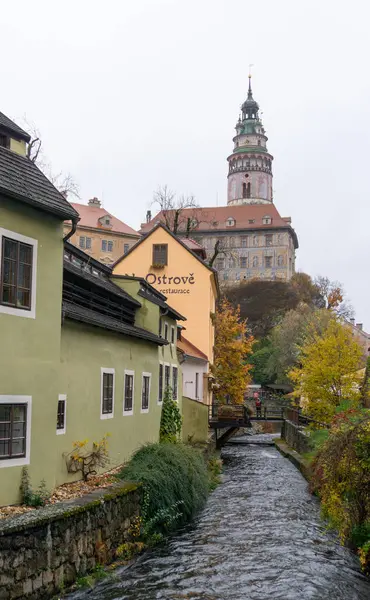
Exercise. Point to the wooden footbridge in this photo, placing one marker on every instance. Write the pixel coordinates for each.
(225, 419)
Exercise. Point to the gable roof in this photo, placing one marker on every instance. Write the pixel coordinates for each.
(13, 128)
(213, 219)
(189, 349)
(90, 217)
(178, 240)
(22, 180)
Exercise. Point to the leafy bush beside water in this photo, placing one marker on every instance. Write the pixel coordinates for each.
(175, 482)
(341, 478)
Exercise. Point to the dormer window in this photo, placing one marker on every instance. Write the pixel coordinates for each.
(266, 220)
(4, 140)
(106, 220)
(230, 222)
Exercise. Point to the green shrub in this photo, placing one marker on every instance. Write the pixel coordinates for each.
(341, 478)
(29, 497)
(175, 484)
(171, 419)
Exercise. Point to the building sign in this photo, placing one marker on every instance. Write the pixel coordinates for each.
(179, 284)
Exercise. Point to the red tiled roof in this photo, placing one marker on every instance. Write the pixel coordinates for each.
(188, 348)
(90, 215)
(214, 218)
(195, 247)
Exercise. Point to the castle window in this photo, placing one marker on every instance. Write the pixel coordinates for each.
(259, 142)
(255, 261)
(266, 220)
(248, 190)
(268, 239)
(243, 262)
(251, 221)
(268, 261)
(244, 190)
(230, 222)
(243, 242)
(255, 240)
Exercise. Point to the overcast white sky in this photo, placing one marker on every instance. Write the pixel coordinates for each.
(132, 94)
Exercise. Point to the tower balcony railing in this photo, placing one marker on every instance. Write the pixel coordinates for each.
(245, 168)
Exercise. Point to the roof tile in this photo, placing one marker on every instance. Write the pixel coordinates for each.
(90, 215)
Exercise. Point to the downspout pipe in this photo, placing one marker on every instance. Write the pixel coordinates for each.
(73, 230)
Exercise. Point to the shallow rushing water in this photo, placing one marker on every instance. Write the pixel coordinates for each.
(260, 537)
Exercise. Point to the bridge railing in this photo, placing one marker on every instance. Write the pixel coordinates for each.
(295, 416)
(228, 412)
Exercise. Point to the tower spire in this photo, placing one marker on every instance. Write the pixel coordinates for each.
(250, 96)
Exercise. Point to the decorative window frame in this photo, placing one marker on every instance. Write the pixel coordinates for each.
(63, 397)
(171, 381)
(23, 460)
(129, 413)
(172, 334)
(11, 310)
(145, 374)
(113, 372)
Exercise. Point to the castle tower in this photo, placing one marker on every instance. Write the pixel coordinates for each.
(250, 173)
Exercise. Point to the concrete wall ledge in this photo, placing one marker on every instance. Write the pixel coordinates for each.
(297, 459)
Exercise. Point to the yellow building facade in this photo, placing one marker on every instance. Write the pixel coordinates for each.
(189, 284)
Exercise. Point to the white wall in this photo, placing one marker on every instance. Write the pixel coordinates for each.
(189, 368)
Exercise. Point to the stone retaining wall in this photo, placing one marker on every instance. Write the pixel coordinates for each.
(295, 437)
(45, 550)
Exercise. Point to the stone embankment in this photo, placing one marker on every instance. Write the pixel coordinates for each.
(43, 551)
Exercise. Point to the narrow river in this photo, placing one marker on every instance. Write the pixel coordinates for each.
(260, 537)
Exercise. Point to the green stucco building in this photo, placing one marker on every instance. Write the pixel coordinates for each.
(83, 354)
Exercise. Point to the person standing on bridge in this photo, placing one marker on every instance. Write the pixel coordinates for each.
(258, 404)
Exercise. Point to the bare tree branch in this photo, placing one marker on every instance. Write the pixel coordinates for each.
(65, 183)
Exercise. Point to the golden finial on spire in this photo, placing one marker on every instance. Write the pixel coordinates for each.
(250, 71)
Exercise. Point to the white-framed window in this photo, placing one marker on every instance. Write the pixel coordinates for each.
(160, 383)
(175, 382)
(145, 391)
(18, 273)
(107, 393)
(61, 414)
(88, 243)
(128, 393)
(173, 337)
(15, 430)
(165, 334)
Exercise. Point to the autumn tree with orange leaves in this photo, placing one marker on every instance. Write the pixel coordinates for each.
(232, 346)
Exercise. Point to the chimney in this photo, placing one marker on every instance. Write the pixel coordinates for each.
(148, 216)
(94, 202)
(359, 326)
(352, 322)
